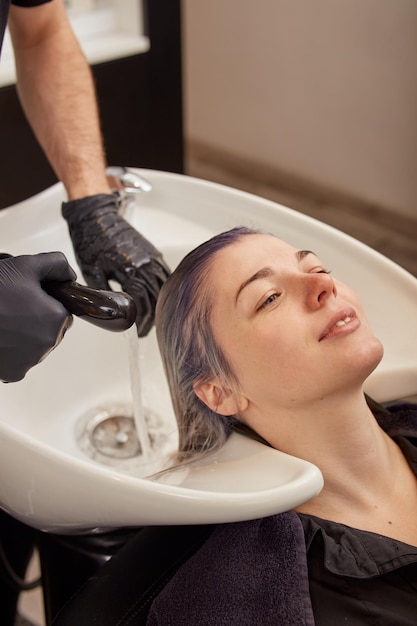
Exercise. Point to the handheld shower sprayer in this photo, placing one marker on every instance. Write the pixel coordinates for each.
(110, 310)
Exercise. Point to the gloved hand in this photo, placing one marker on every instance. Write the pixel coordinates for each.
(31, 322)
(108, 247)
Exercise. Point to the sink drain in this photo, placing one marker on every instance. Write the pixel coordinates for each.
(107, 434)
(115, 436)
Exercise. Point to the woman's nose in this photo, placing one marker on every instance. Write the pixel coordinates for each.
(320, 287)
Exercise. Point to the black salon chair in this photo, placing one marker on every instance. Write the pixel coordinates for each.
(122, 590)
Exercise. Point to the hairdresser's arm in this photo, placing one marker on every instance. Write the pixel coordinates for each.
(57, 93)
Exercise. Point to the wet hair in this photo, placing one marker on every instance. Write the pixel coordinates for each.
(189, 351)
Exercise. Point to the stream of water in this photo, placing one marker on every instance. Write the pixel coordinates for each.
(136, 388)
(105, 432)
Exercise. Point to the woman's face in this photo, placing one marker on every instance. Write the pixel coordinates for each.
(291, 332)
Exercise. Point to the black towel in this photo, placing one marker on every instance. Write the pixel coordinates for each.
(247, 573)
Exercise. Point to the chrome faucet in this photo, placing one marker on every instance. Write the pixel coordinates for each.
(127, 184)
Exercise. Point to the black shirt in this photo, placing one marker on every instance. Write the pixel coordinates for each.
(359, 578)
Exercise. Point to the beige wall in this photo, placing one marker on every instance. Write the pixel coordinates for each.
(322, 89)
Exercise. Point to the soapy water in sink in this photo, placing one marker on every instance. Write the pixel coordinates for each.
(127, 436)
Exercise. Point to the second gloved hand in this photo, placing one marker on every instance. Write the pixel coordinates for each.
(31, 322)
(108, 247)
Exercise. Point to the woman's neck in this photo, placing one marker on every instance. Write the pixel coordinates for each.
(368, 483)
(360, 463)
(343, 439)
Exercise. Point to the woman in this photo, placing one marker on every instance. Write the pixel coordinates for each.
(255, 332)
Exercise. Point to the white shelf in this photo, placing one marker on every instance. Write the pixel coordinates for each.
(105, 34)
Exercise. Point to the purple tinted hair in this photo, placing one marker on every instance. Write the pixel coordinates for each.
(189, 351)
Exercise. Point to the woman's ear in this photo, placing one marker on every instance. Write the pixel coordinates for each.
(220, 398)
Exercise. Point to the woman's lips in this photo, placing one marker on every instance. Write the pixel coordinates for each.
(341, 323)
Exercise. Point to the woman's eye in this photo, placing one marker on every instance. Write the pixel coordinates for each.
(269, 300)
(322, 271)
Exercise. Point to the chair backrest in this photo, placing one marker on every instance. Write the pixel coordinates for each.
(123, 590)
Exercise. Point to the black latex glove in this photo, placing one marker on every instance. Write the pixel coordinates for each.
(108, 247)
(31, 322)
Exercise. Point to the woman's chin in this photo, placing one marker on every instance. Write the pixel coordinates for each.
(370, 356)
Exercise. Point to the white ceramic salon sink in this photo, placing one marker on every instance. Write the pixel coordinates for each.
(51, 482)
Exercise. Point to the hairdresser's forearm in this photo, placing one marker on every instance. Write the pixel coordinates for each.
(57, 93)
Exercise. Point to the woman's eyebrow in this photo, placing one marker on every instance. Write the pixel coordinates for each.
(301, 254)
(265, 272)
